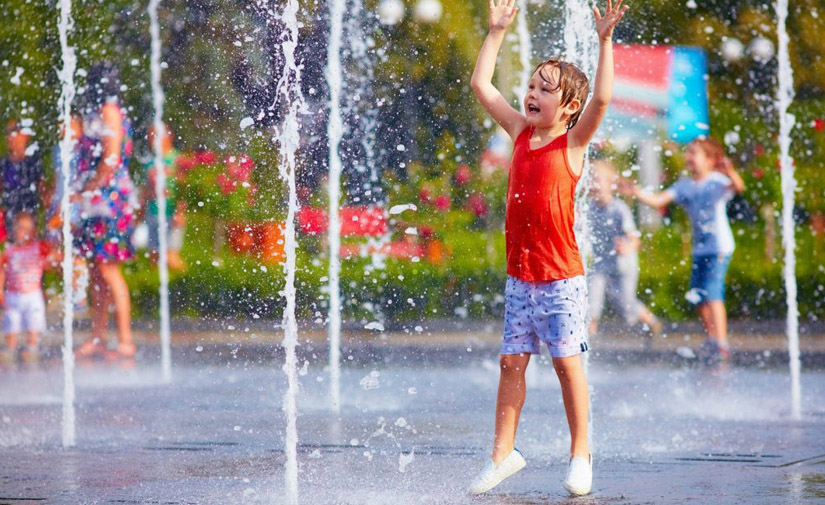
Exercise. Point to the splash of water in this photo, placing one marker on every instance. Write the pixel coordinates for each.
(287, 137)
(160, 192)
(361, 105)
(785, 95)
(335, 131)
(525, 51)
(67, 93)
(582, 48)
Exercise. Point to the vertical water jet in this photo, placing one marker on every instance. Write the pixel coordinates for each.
(335, 128)
(158, 98)
(784, 97)
(67, 93)
(291, 100)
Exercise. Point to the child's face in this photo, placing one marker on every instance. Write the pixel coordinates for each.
(24, 230)
(603, 183)
(542, 104)
(18, 142)
(697, 160)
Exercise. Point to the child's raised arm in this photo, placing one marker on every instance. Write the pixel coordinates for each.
(593, 114)
(656, 200)
(725, 166)
(502, 13)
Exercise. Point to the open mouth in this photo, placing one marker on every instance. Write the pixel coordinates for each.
(533, 109)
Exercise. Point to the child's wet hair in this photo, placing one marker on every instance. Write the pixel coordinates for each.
(573, 84)
(712, 148)
(21, 216)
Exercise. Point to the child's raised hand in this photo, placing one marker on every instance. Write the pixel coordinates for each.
(502, 13)
(627, 187)
(612, 16)
(724, 165)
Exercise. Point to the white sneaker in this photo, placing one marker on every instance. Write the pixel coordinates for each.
(579, 475)
(493, 474)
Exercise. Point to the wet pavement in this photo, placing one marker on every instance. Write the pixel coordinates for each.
(415, 426)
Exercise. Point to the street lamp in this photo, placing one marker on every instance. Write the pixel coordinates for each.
(390, 12)
(428, 11)
(732, 49)
(761, 49)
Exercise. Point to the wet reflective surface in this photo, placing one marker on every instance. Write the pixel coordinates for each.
(407, 433)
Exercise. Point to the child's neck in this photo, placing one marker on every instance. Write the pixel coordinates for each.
(701, 175)
(541, 133)
(604, 200)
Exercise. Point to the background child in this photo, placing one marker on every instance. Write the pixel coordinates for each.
(546, 293)
(21, 274)
(79, 174)
(175, 207)
(21, 173)
(704, 196)
(615, 270)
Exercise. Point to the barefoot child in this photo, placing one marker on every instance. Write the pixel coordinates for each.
(546, 293)
(21, 277)
(615, 271)
(704, 195)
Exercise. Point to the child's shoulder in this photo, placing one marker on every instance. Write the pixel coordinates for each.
(525, 132)
(719, 177)
(619, 205)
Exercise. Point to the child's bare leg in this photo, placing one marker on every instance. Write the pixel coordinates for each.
(706, 314)
(647, 317)
(576, 401)
(32, 338)
(100, 305)
(719, 316)
(120, 294)
(593, 329)
(11, 341)
(511, 393)
(175, 260)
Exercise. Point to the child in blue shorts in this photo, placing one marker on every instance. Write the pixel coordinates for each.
(546, 292)
(704, 195)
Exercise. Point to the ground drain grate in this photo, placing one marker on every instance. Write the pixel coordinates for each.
(762, 460)
(435, 450)
(190, 446)
(726, 457)
(325, 448)
(157, 502)
(421, 450)
(179, 448)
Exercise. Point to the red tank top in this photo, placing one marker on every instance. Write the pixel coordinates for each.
(541, 245)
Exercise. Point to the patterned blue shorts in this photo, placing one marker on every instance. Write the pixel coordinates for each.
(551, 312)
(707, 278)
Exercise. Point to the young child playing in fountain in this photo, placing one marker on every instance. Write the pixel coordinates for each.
(546, 293)
(704, 195)
(21, 274)
(615, 271)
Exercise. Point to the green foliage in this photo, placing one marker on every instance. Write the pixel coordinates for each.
(470, 283)
(423, 71)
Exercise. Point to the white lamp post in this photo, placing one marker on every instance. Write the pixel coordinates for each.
(391, 12)
(732, 49)
(428, 11)
(761, 49)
